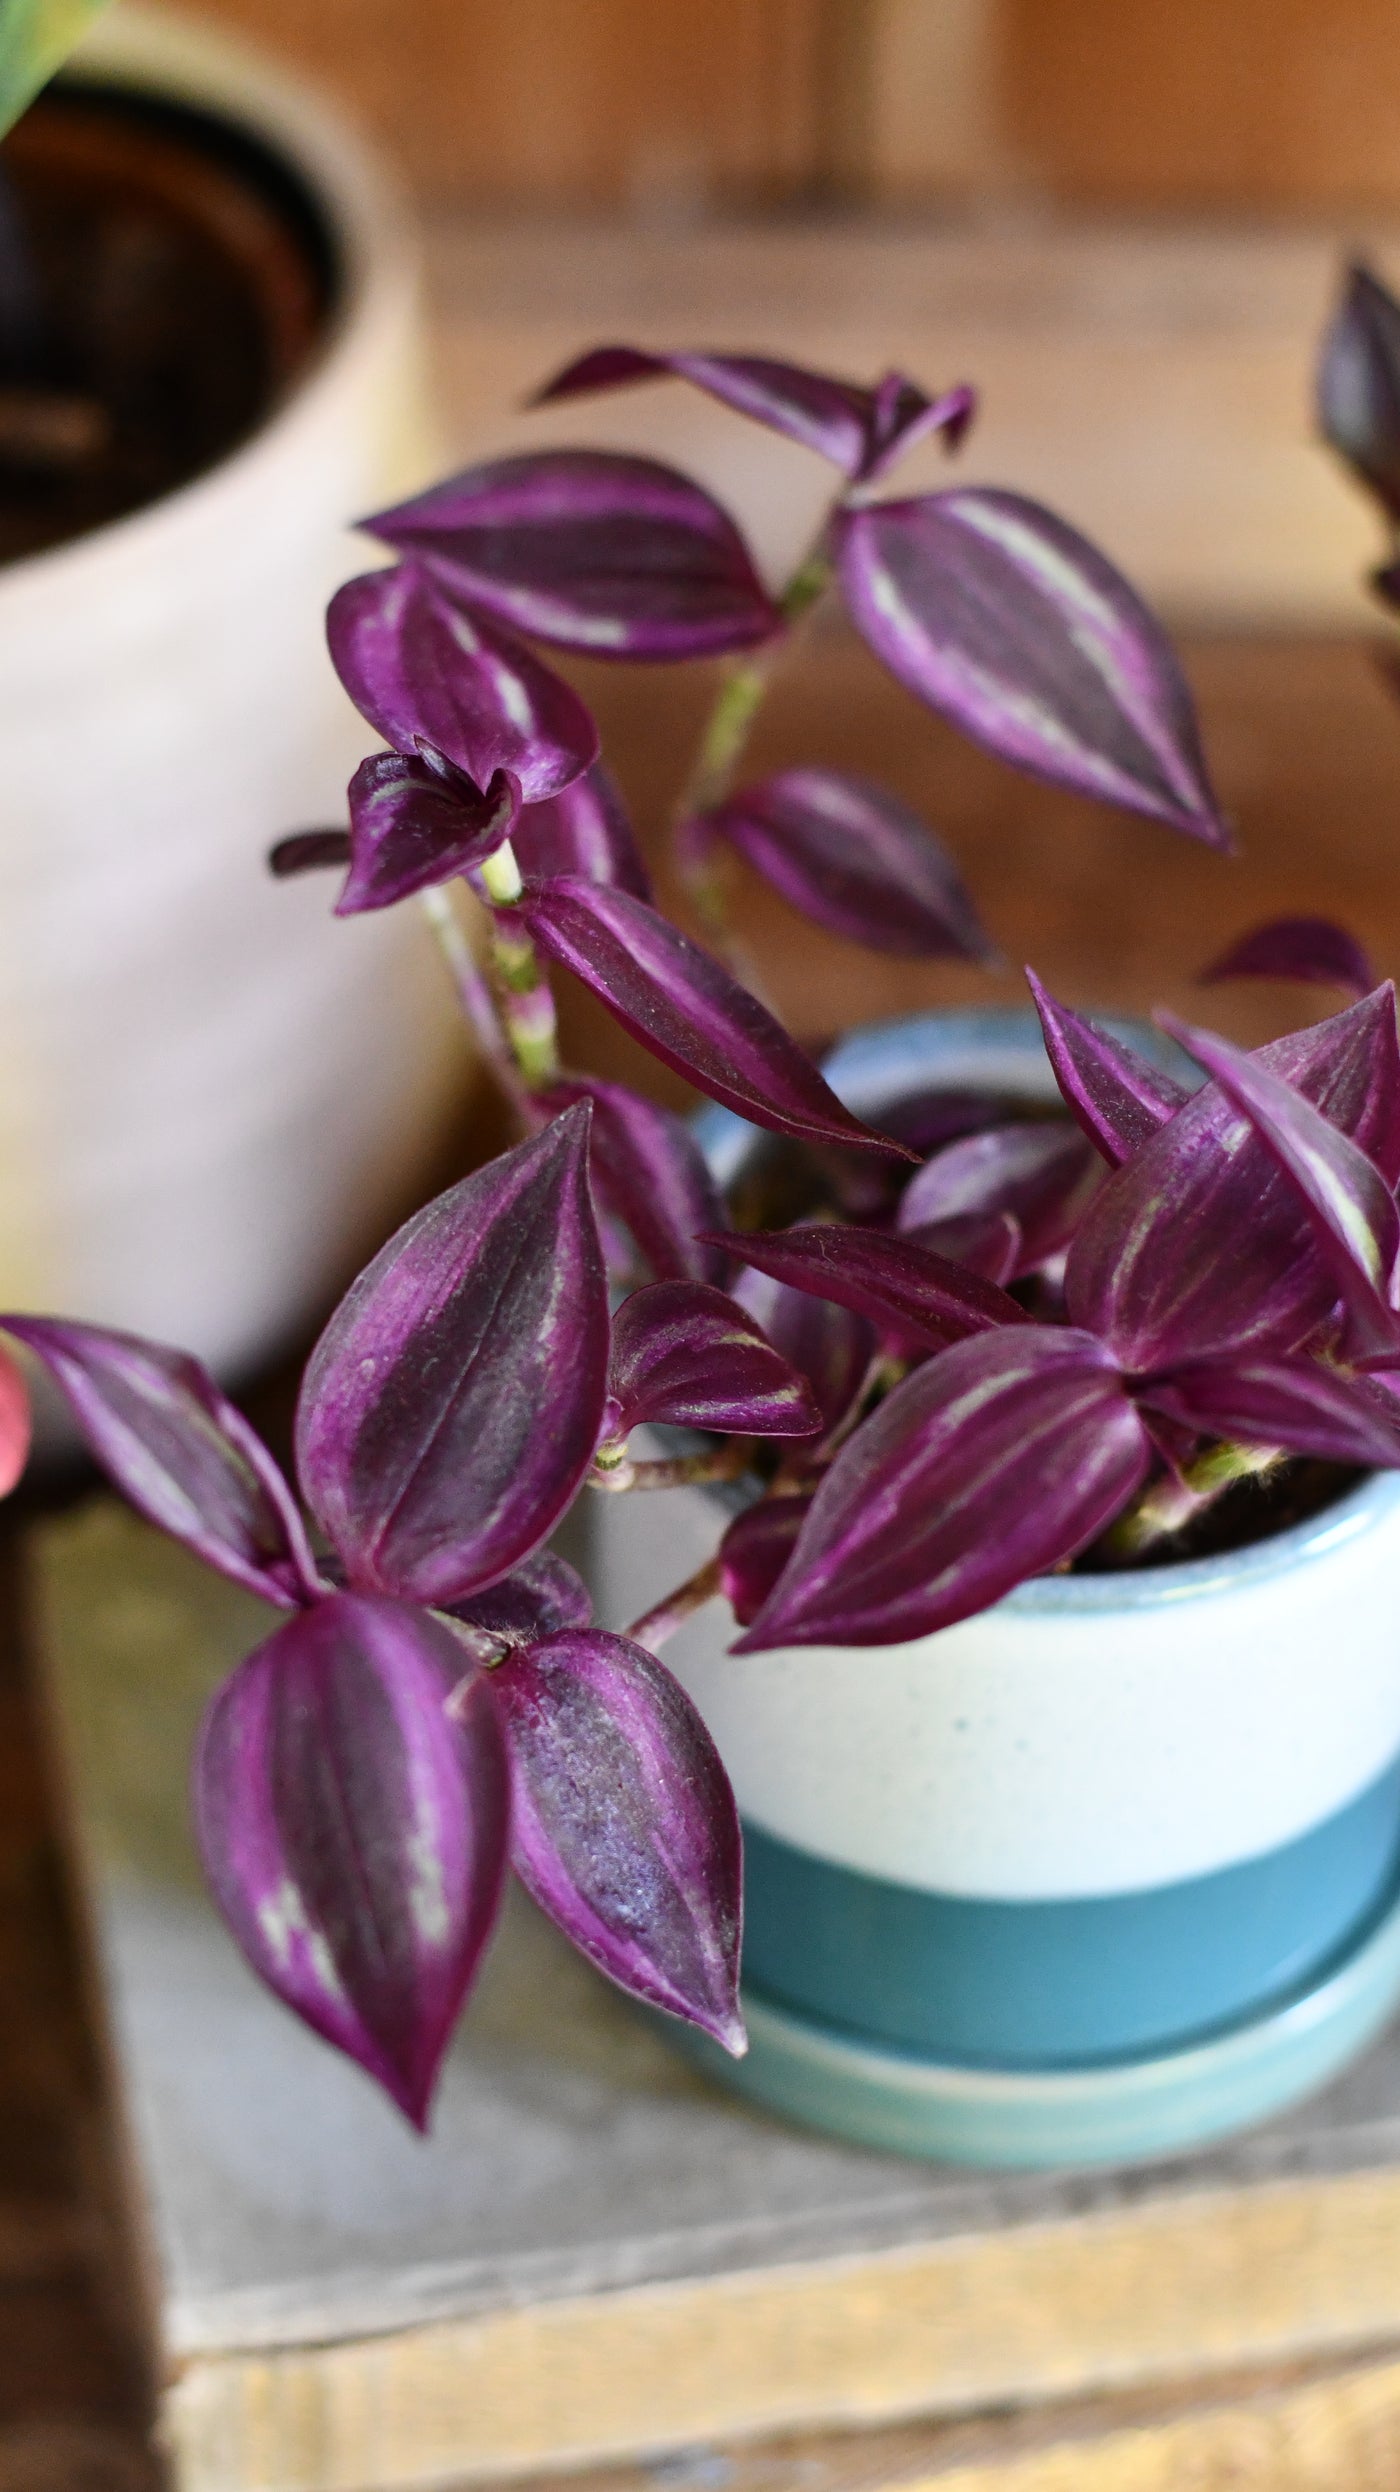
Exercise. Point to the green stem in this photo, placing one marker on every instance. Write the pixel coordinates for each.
(613, 1472)
(473, 993)
(1171, 1503)
(523, 998)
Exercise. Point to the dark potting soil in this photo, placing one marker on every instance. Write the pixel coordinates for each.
(164, 280)
(1252, 1510)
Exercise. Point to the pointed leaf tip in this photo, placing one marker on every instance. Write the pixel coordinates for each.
(1358, 385)
(1115, 1096)
(1311, 949)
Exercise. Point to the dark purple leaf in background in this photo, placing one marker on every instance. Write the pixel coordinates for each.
(1291, 1402)
(649, 1172)
(1312, 949)
(904, 1288)
(925, 1119)
(688, 1356)
(620, 557)
(756, 1548)
(1200, 1242)
(451, 1407)
(1113, 1093)
(412, 825)
(901, 414)
(539, 1598)
(831, 1345)
(855, 860)
(16, 1423)
(996, 614)
(179, 1452)
(988, 1242)
(625, 1830)
(999, 1459)
(583, 830)
(355, 1833)
(1356, 1226)
(687, 1009)
(423, 672)
(305, 852)
(1042, 1174)
(1358, 385)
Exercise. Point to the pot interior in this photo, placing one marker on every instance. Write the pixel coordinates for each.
(165, 279)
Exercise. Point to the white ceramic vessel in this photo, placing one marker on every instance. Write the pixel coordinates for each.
(211, 1096)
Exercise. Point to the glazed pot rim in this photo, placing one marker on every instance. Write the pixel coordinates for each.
(1001, 1031)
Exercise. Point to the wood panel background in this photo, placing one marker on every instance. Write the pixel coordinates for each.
(663, 108)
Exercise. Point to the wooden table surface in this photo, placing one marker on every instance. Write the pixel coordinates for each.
(1305, 742)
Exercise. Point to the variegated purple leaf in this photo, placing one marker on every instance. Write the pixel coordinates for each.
(1291, 1402)
(860, 430)
(356, 1832)
(996, 614)
(583, 830)
(651, 1174)
(179, 1452)
(999, 1459)
(1356, 1226)
(450, 1409)
(1113, 1093)
(831, 1345)
(756, 1548)
(424, 672)
(855, 860)
(1311, 949)
(1041, 1174)
(620, 557)
(687, 1009)
(688, 1356)
(539, 1598)
(1358, 385)
(307, 852)
(1200, 1243)
(907, 1290)
(414, 822)
(625, 1830)
(988, 1242)
(16, 1424)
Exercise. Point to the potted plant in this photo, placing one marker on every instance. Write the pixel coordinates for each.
(208, 351)
(1040, 1403)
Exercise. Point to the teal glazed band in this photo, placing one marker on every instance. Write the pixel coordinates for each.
(1064, 1984)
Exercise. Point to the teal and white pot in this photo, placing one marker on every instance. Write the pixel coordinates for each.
(1104, 1872)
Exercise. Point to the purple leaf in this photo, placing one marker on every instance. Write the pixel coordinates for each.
(418, 822)
(1291, 1402)
(625, 1829)
(649, 1172)
(356, 1833)
(988, 1242)
(539, 1598)
(1114, 1094)
(1308, 948)
(756, 1548)
(583, 830)
(304, 852)
(1356, 1225)
(422, 672)
(1004, 1456)
(904, 1288)
(1358, 385)
(1200, 1243)
(16, 1424)
(451, 1407)
(860, 430)
(179, 1452)
(1041, 1174)
(687, 1009)
(996, 614)
(689, 1356)
(620, 557)
(855, 860)
(831, 1345)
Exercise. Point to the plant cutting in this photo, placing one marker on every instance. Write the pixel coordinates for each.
(965, 1353)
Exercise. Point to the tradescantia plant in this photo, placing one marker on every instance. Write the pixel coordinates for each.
(984, 1346)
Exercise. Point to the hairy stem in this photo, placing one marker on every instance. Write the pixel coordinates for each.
(524, 998)
(1171, 1503)
(654, 1626)
(613, 1472)
(473, 993)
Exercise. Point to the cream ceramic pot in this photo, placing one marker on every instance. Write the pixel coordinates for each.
(211, 1095)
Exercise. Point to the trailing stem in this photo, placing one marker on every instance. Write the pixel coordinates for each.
(473, 993)
(655, 1625)
(1174, 1501)
(613, 1472)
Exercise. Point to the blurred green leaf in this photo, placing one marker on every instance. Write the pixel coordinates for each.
(35, 37)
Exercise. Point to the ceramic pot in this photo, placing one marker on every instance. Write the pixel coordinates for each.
(212, 1097)
(1104, 1871)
